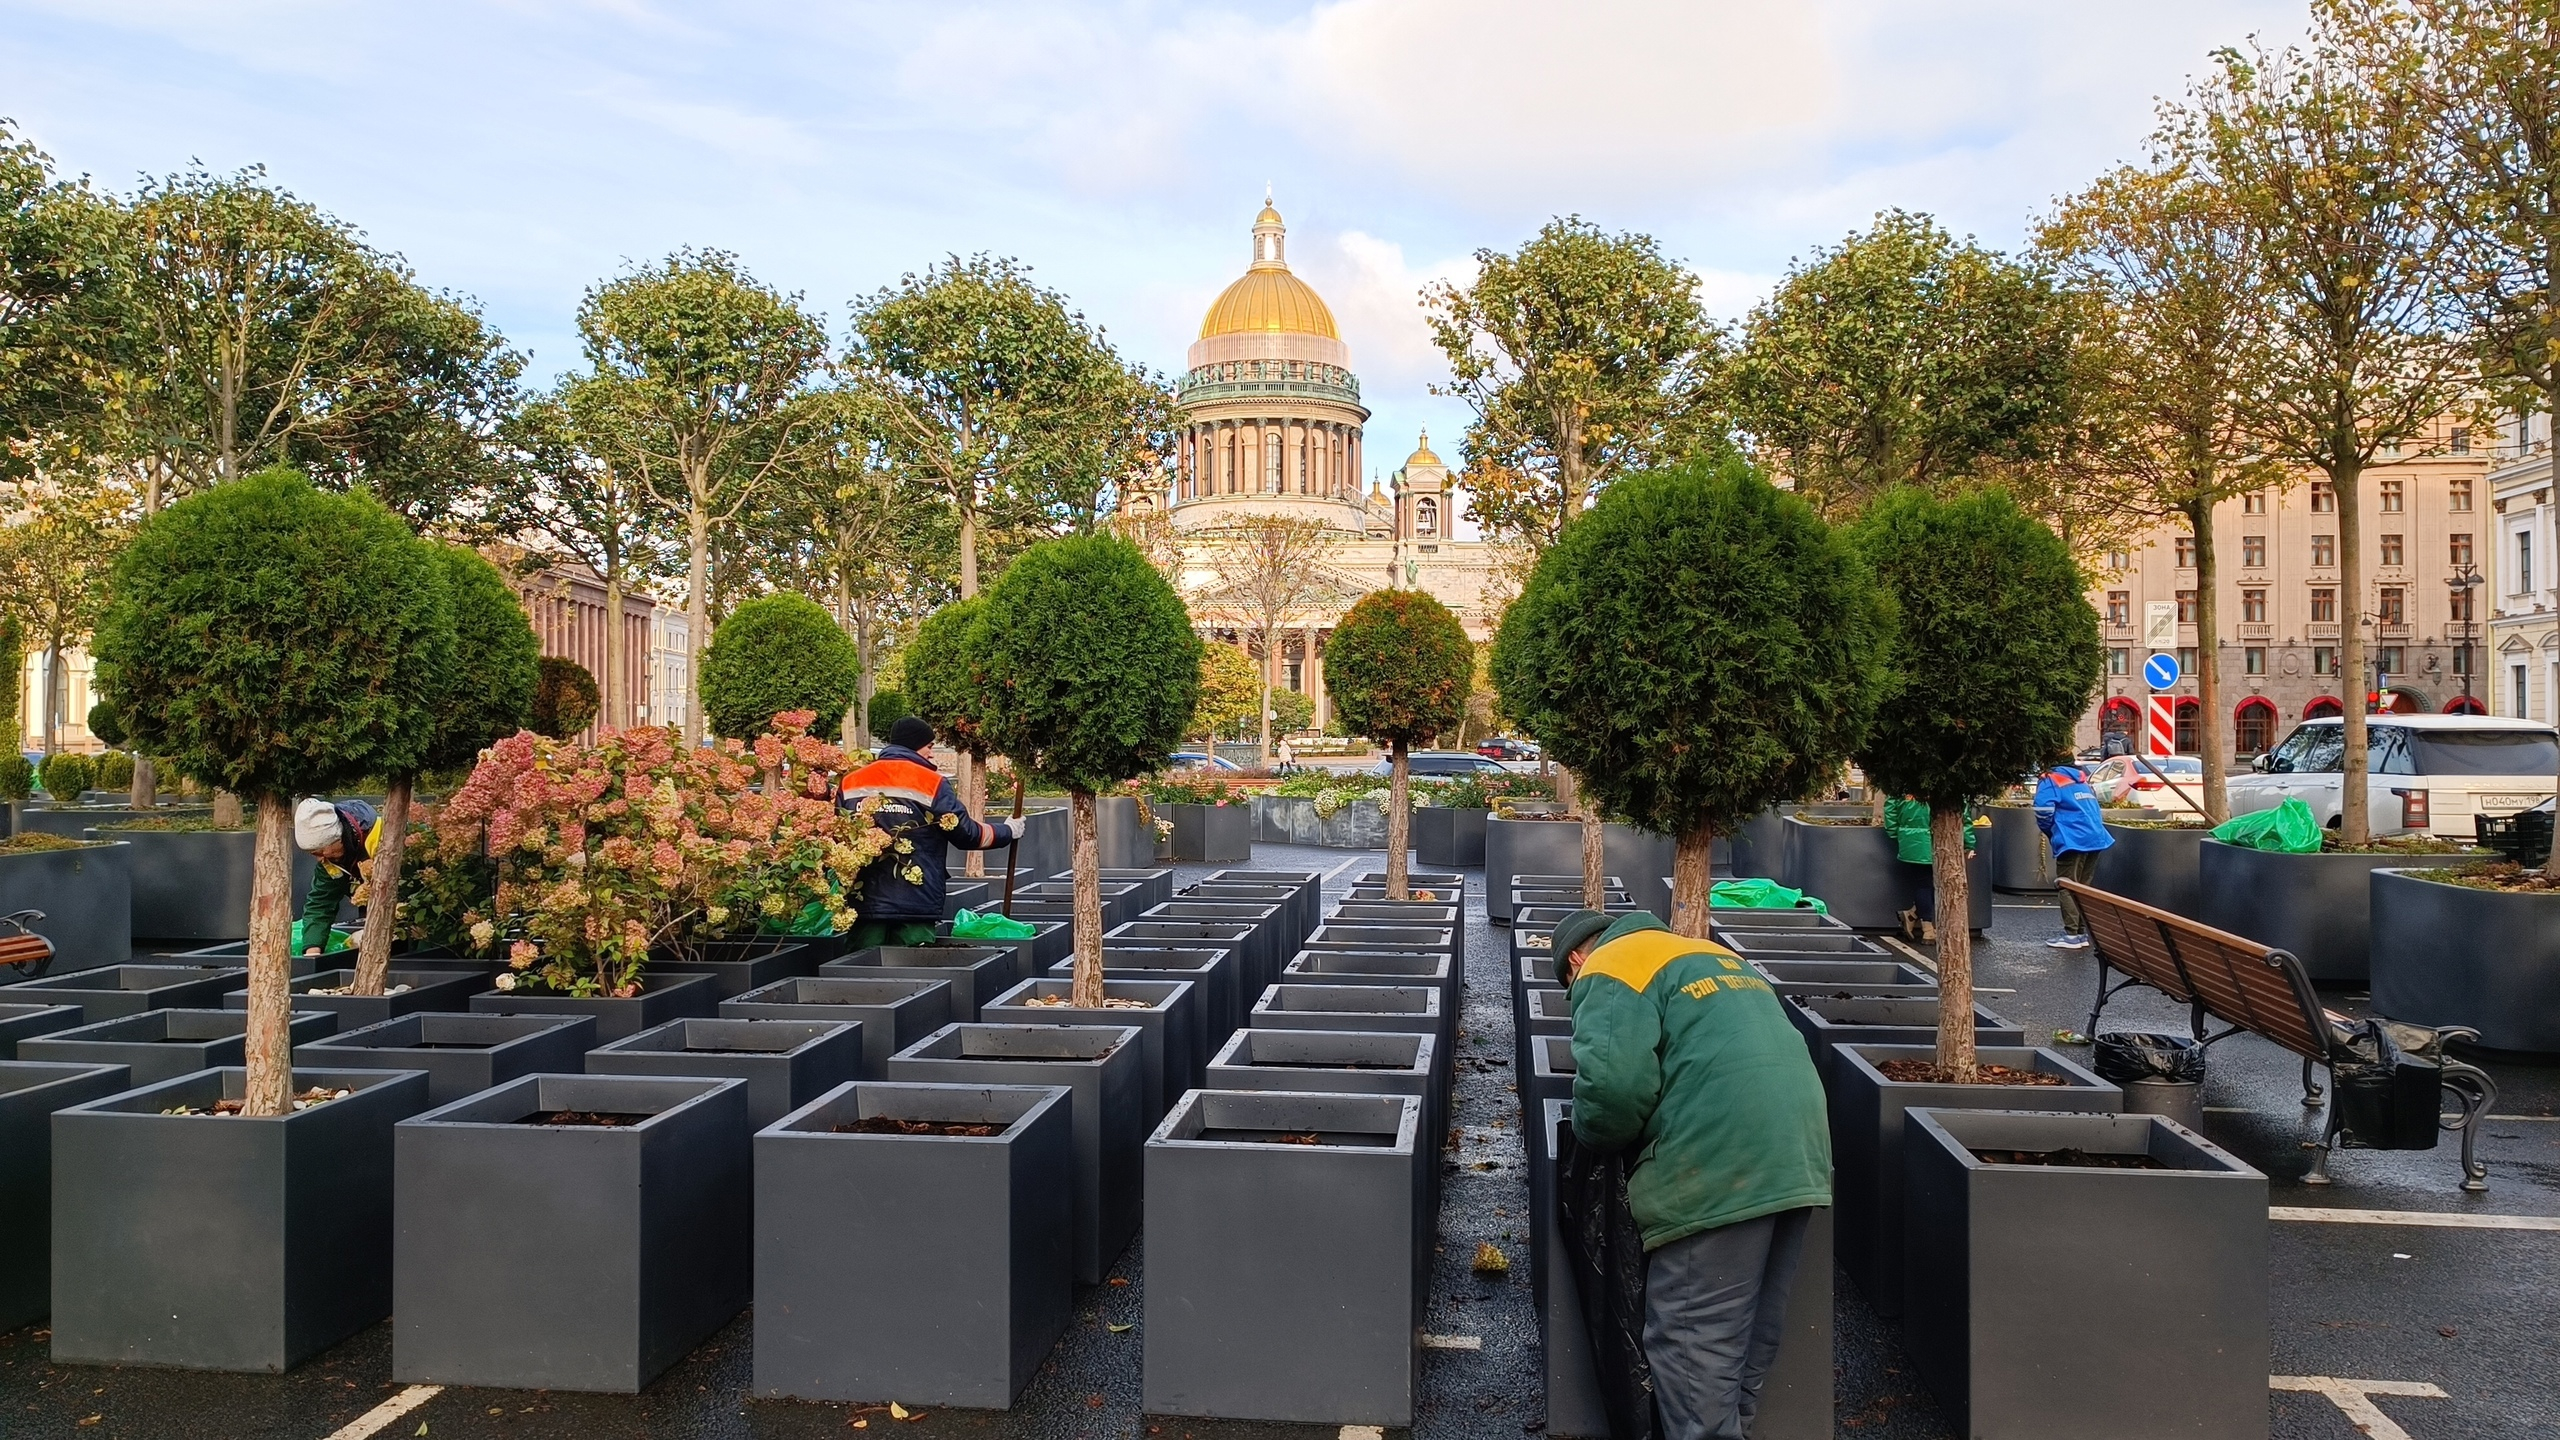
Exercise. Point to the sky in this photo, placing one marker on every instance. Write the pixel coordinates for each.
(519, 151)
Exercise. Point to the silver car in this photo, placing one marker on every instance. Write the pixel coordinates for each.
(2428, 773)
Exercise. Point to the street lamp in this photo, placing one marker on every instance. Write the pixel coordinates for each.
(2464, 580)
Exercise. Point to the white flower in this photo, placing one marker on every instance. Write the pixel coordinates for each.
(506, 980)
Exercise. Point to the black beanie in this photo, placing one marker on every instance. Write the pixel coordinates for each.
(913, 732)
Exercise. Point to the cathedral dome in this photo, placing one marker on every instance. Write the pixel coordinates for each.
(1268, 300)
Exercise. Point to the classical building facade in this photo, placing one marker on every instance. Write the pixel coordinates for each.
(2524, 626)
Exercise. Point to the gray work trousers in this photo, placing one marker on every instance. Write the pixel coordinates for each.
(2080, 865)
(1715, 1307)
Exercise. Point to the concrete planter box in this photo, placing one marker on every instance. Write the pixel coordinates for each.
(929, 1269)
(1121, 899)
(1759, 849)
(1281, 1277)
(786, 1063)
(1554, 847)
(2001, 1282)
(1336, 935)
(555, 1257)
(25, 1022)
(1450, 837)
(1853, 869)
(1297, 918)
(1201, 970)
(86, 896)
(1166, 1042)
(1867, 1134)
(1128, 841)
(2021, 859)
(975, 973)
(2156, 867)
(30, 1091)
(1292, 820)
(2451, 955)
(1883, 1020)
(159, 1045)
(195, 884)
(1803, 945)
(220, 1242)
(894, 1011)
(460, 1054)
(1103, 1069)
(71, 822)
(234, 954)
(1050, 942)
(1345, 1062)
(112, 991)
(2319, 907)
(1048, 846)
(1842, 979)
(959, 895)
(1383, 968)
(428, 990)
(1234, 941)
(1405, 1008)
(737, 966)
(1211, 834)
(1737, 918)
(1305, 886)
(1262, 953)
(662, 998)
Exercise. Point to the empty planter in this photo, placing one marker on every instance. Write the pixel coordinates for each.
(976, 973)
(786, 1063)
(894, 1011)
(162, 1045)
(662, 997)
(111, 991)
(30, 1091)
(461, 1054)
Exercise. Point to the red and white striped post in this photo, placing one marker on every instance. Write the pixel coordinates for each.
(2164, 725)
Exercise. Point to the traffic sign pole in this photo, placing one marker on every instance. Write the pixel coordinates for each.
(2160, 672)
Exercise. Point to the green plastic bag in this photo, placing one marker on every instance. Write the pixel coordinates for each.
(2288, 829)
(970, 925)
(329, 941)
(1757, 894)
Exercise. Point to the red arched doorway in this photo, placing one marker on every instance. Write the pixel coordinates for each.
(2253, 727)
(2396, 700)
(2465, 705)
(2187, 736)
(2119, 727)
(2324, 708)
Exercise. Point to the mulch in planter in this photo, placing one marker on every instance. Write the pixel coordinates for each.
(2070, 1155)
(1929, 1072)
(2505, 876)
(316, 1095)
(1348, 1139)
(598, 1118)
(891, 1125)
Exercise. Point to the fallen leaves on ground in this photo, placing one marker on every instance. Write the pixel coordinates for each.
(1490, 1260)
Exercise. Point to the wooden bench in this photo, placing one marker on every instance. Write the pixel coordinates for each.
(2259, 990)
(22, 949)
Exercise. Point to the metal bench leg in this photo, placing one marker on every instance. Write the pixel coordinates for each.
(2091, 1028)
(2474, 1094)
(2311, 1091)
(2318, 1174)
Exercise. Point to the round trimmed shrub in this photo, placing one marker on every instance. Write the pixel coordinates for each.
(105, 724)
(1400, 667)
(565, 697)
(66, 775)
(944, 683)
(17, 776)
(777, 653)
(113, 771)
(497, 662)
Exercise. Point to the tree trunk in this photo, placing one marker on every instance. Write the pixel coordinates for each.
(1693, 881)
(382, 889)
(226, 810)
(973, 796)
(1270, 665)
(1086, 992)
(1399, 821)
(857, 722)
(269, 1089)
(969, 542)
(2213, 736)
(1595, 860)
(146, 787)
(53, 702)
(1955, 942)
(617, 679)
(2355, 818)
(697, 618)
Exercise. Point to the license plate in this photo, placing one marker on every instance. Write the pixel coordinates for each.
(2509, 802)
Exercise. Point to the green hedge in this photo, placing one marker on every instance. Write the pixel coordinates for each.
(565, 698)
(777, 653)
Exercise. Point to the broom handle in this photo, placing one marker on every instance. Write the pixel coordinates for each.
(1013, 859)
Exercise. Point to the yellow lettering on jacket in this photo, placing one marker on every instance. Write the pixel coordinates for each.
(1700, 988)
(1635, 958)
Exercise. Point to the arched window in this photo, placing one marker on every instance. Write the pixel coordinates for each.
(2465, 705)
(2323, 708)
(2190, 721)
(2253, 727)
(1426, 517)
(1271, 462)
(2118, 724)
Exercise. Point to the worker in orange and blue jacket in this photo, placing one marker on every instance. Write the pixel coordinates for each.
(899, 896)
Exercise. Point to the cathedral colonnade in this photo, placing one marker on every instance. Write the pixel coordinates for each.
(1274, 455)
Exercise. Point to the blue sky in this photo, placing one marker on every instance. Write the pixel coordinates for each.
(518, 152)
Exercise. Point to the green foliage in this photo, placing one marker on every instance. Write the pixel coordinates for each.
(1092, 664)
(1291, 711)
(944, 680)
(888, 707)
(564, 697)
(1230, 691)
(105, 724)
(1696, 648)
(66, 775)
(272, 639)
(112, 771)
(1997, 649)
(777, 653)
(1479, 790)
(497, 662)
(17, 775)
(1399, 666)
(1192, 789)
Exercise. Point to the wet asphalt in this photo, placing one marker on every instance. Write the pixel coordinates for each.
(2473, 1312)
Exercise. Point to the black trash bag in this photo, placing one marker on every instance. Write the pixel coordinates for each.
(1606, 1251)
(2125, 1056)
(2387, 1097)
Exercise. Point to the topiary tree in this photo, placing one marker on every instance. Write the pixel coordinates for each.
(1995, 657)
(887, 708)
(777, 653)
(488, 696)
(1697, 647)
(1400, 666)
(564, 697)
(65, 775)
(275, 640)
(943, 685)
(104, 726)
(17, 777)
(129, 773)
(112, 770)
(1092, 674)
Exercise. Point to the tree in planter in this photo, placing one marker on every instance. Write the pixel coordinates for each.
(1994, 658)
(1092, 673)
(1698, 647)
(65, 774)
(947, 688)
(130, 776)
(274, 641)
(1400, 666)
(777, 653)
(488, 696)
(564, 697)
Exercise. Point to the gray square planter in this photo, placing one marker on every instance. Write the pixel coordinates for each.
(1343, 1062)
(111, 991)
(25, 1022)
(1407, 1008)
(2155, 866)
(1103, 1066)
(895, 1011)
(1202, 970)
(1867, 1134)
(1211, 834)
(234, 954)
(427, 990)
(786, 1063)
(1554, 848)
(928, 1269)
(1883, 1020)
(2319, 907)
(2021, 860)
(1292, 820)
(1738, 917)
(1302, 900)
(662, 998)
(554, 1257)
(218, 1242)
(738, 966)
(1336, 935)
(1842, 979)
(1154, 882)
(1127, 841)
(1394, 968)
(30, 1091)
(1565, 898)
(1802, 945)
(959, 895)
(86, 895)
(1542, 1011)
(1306, 885)
(1166, 1041)
(195, 884)
(460, 1054)
(2454, 955)
(1262, 953)
(1050, 941)
(1451, 838)
(1223, 1005)
(2001, 1281)
(1373, 884)
(975, 973)
(1281, 1277)
(1121, 899)
(1853, 869)
(162, 1045)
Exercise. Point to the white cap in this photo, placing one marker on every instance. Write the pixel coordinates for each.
(315, 823)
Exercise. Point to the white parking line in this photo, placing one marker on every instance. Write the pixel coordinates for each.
(2438, 1219)
(1377, 1432)
(372, 1422)
(2353, 1399)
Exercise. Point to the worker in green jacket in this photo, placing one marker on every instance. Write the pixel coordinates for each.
(1906, 824)
(1679, 1049)
(342, 838)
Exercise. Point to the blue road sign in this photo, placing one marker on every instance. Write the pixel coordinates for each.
(2160, 671)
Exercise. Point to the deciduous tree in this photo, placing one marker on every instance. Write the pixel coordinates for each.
(1266, 572)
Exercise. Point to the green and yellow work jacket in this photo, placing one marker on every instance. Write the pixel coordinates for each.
(333, 883)
(1678, 1047)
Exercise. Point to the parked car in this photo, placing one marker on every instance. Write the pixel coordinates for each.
(1441, 764)
(1194, 760)
(2429, 773)
(1504, 747)
(2124, 780)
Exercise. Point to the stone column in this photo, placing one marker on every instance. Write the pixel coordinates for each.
(1314, 675)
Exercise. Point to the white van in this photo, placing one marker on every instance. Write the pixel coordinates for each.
(2426, 772)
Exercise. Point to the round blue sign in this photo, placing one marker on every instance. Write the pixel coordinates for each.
(2160, 671)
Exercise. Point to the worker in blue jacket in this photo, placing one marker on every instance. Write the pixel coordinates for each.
(2068, 814)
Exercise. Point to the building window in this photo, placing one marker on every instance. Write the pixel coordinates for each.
(2119, 607)
(2462, 659)
(2186, 548)
(2119, 661)
(2253, 607)
(2389, 660)
(2253, 551)
(2119, 559)
(2463, 610)
(2190, 714)
(1426, 517)
(2324, 550)
(2461, 440)
(2457, 495)
(2254, 503)
(2460, 547)
(2324, 499)
(2324, 605)
(1289, 674)
(2394, 552)
(2519, 688)
(2395, 496)
(2253, 727)
(2324, 660)
(2253, 660)
(2186, 607)
(2524, 562)
(2395, 605)
(2187, 661)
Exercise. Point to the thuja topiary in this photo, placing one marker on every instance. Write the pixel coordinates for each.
(565, 697)
(65, 775)
(777, 653)
(1400, 667)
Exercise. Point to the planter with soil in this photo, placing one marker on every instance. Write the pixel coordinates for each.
(1346, 1062)
(1281, 1258)
(914, 1244)
(1194, 1017)
(1161, 1009)
(1211, 834)
(1262, 953)
(2468, 954)
(1448, 837)
(1407, 1008)
(2154, 862)
(213, 1241)
(30, 1091)
(73, 821)
(25, 1022)
(976, 973)
(1843, 979)
(1049, 942)
(84, 891)
(1826, 1022)
(1101, 1066)
(1229, 979)
(1871, 1088)
(1298, 915)
(461, 1054)
(1723, 918)
(737, 966)
(404, 992)
(894, 1011)
(1382, 968)
(1121, 900)
(158, 1045)
(2021, 858)
(1337, 935)
(786, 1063)
(2318, 907)
(111, 991)
(2001, 1280)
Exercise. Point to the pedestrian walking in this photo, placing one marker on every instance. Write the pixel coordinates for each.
(898, 897)
(2068, 813)
(342, 837)
(1681, 1053)
(1288, 758)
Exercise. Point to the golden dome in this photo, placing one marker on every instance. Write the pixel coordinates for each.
(1422, 454)
(1269, 300)
(1270, 213)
